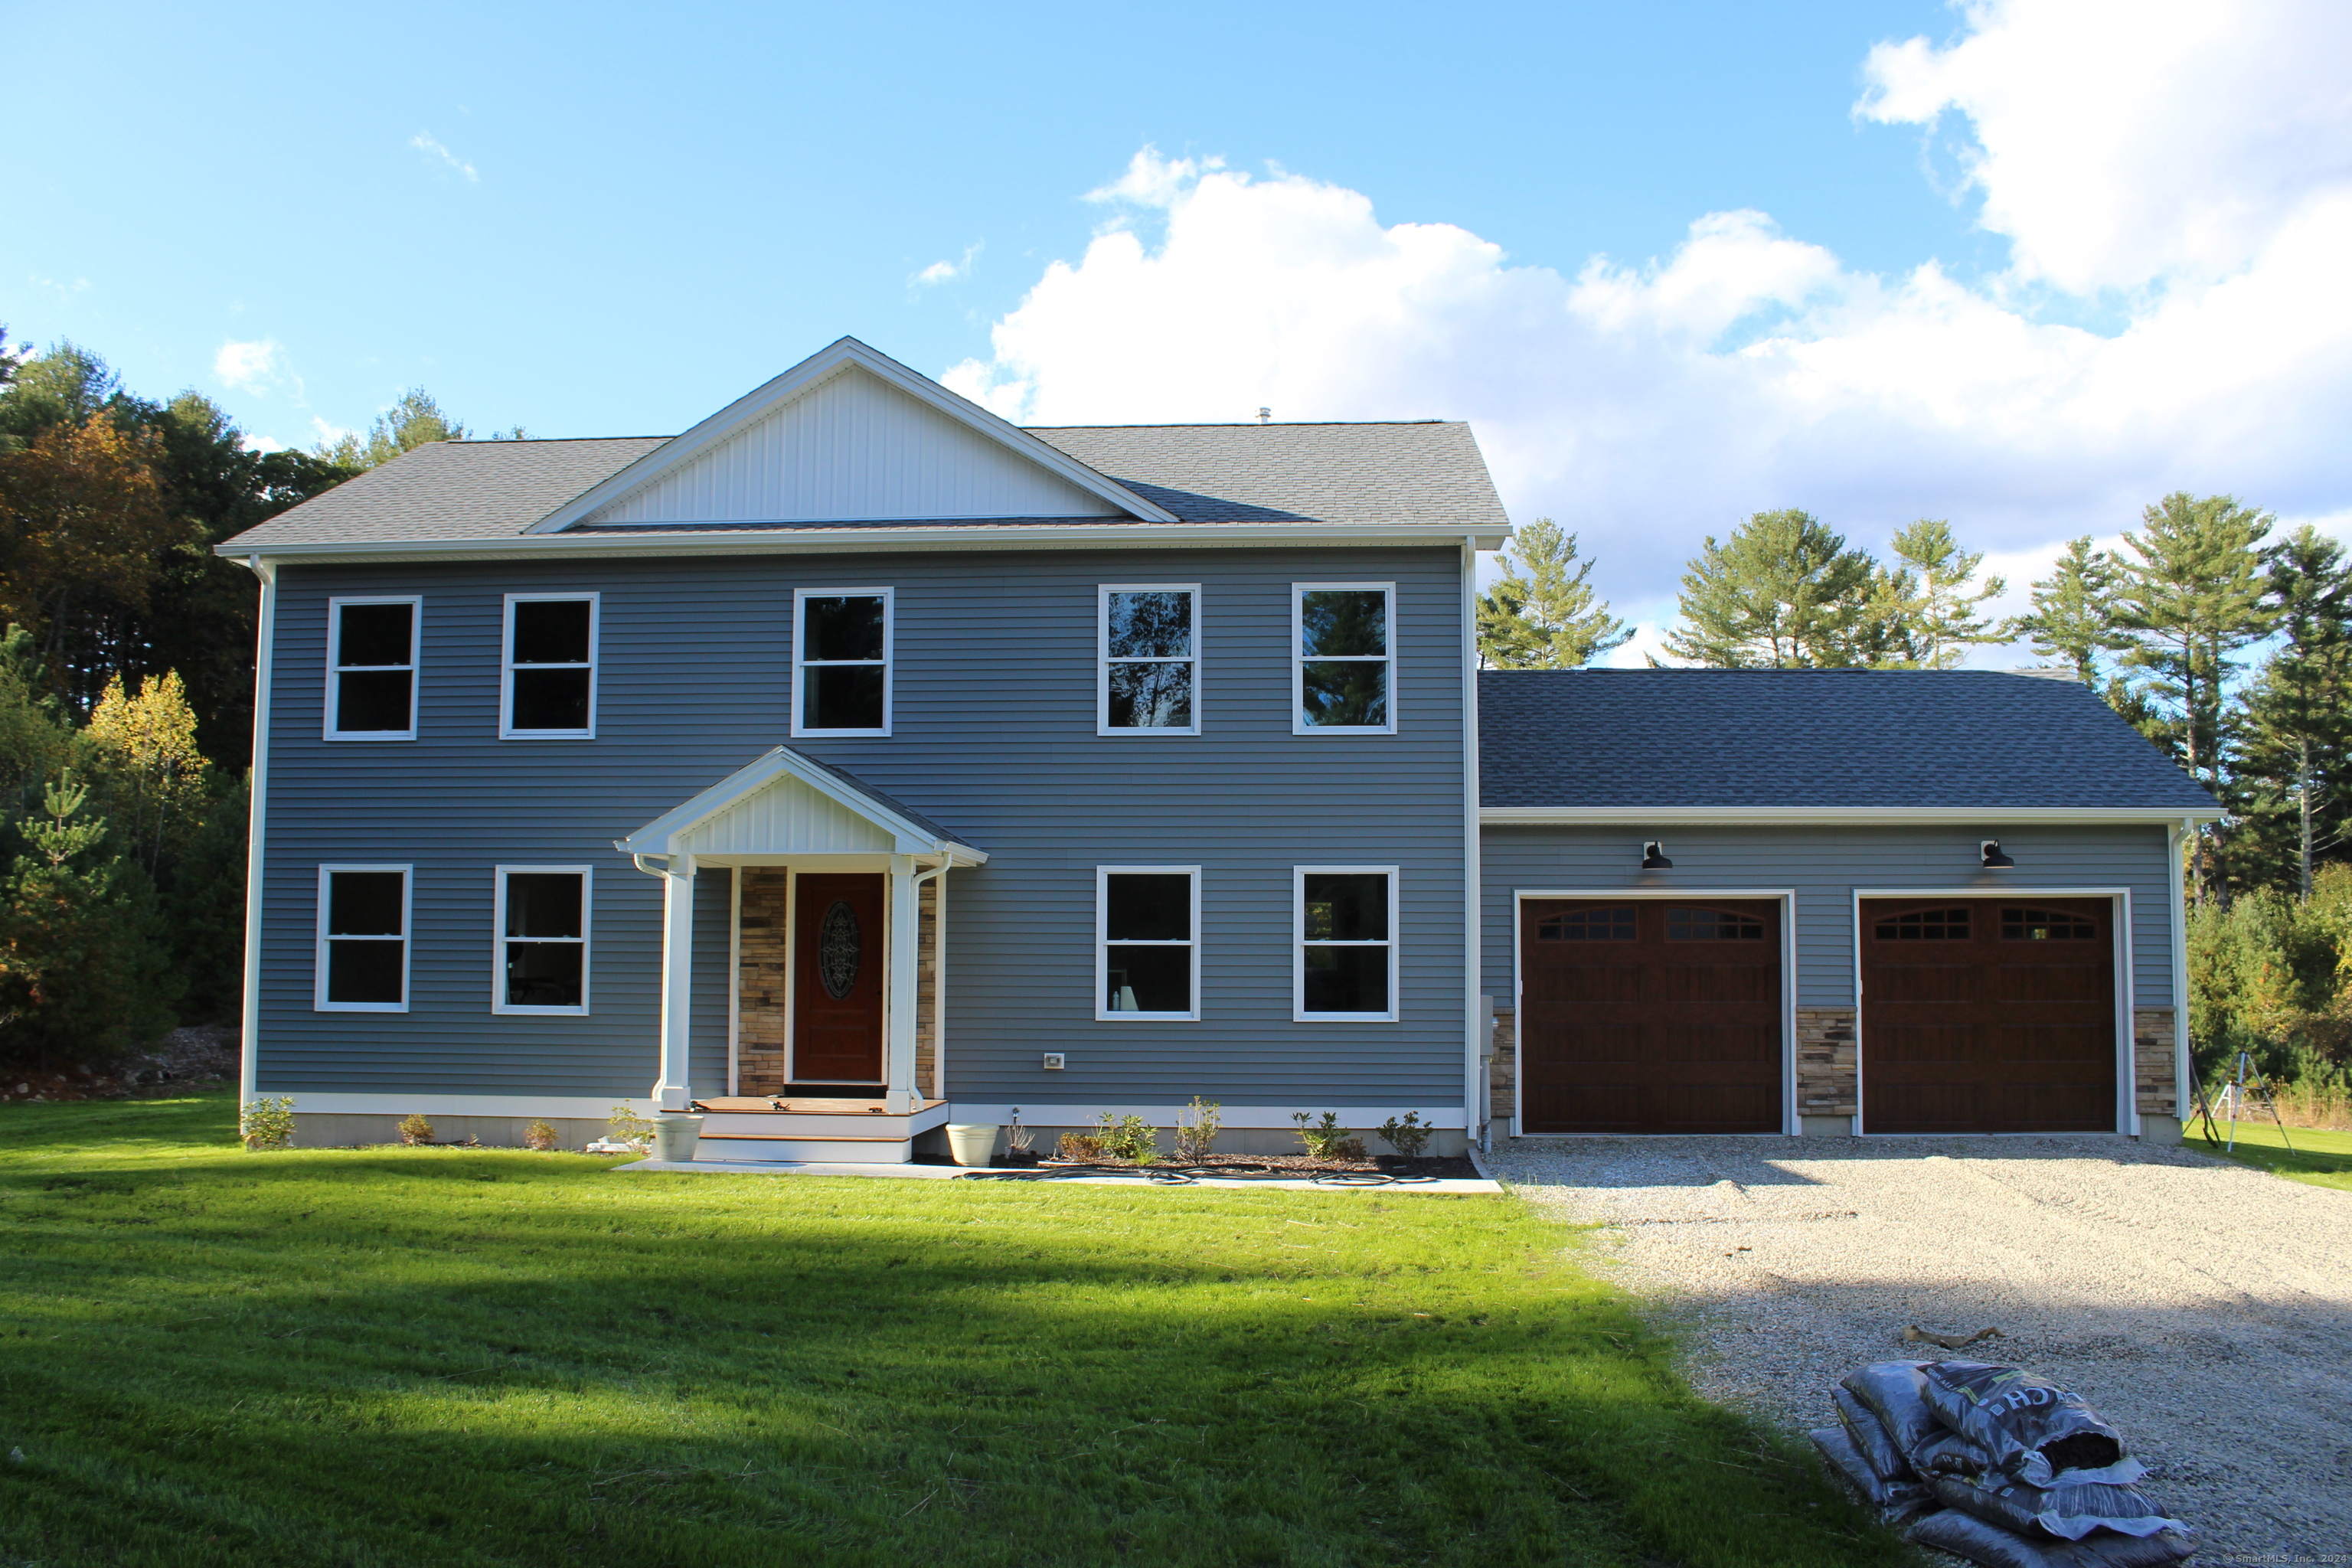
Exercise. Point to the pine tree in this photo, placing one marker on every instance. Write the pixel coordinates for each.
(1923, 611)
(1548, 618)
(1782, 592)
(2295, 728)
(2073, 619)
(407, 425)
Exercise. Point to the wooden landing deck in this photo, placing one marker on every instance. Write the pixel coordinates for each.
(804, 1105)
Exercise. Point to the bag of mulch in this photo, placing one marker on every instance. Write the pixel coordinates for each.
(1895, 1502)
(2029, 1429)
(1893, 1392)
(2069, 1513)
(1886, 1460)
(1965, 1535)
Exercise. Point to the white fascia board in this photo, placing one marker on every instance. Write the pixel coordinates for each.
(820, 539)
(659, 836)
(818, 367)
(1858, 815)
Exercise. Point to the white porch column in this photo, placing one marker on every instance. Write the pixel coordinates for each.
(672, 1092)
(898, 1011)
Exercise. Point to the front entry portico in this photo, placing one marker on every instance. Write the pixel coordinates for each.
(861, 863)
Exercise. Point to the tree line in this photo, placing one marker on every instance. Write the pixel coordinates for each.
(126, 694)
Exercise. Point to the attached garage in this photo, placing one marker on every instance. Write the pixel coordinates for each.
(1988, 1015)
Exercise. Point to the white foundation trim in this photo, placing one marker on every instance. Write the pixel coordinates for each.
(590, 1107)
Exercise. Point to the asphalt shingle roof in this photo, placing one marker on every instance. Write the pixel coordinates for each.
(1917, 739)
(1418, 473)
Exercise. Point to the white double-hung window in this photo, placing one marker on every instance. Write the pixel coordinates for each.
(363, 954)
(371, 669)
(1150, 680)
(1342, 645)
(1345, 948)
(1147, 943)
(542, 920)
(841, 657)
(548, 685)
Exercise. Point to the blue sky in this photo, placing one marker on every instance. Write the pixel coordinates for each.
(2026, 264)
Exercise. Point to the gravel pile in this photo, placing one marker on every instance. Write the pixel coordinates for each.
(2205, 1308)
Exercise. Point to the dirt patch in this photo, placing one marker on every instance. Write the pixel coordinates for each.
(2205, 1309)
(199, 1056)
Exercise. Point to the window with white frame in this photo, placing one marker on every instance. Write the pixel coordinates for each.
(371, 669)
(1341, 647)
(549, 683)
(1147, 943)
(1151, 660)
(542, 921)
(841, 650)
(362, 958)
(1346, 947)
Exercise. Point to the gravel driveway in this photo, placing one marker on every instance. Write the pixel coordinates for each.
(2204, 1308)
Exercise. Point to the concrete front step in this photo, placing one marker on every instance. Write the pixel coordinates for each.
(732, 1148)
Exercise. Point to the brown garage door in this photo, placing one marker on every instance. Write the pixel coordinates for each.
(1650, 1016)
(1980, 1016)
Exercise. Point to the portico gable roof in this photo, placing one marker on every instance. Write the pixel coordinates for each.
(788, 802)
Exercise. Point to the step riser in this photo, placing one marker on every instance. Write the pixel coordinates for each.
(805, 1150)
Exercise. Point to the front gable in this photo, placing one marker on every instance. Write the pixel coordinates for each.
(850, 436)
(785, 803)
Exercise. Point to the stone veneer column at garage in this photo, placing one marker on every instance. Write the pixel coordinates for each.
(1827, 1088)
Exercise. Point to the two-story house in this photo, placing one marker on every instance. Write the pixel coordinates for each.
(860, 754)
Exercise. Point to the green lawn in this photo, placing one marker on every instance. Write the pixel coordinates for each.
(396, 1357)
(2321, 1159)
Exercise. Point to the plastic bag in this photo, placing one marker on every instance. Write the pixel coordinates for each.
(1891, 1390)
(2069, 1513)
(1896, 1500)
(2029, 1429)
(1886, 1460)
(1965, 1535)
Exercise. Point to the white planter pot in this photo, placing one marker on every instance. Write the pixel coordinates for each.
(972, 1142)
(676, 1136)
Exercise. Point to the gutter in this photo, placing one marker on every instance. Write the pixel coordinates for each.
(1862, 815)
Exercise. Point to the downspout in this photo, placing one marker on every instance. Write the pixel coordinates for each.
(248, 1078)
(2181, 1056)
(1474, 1079)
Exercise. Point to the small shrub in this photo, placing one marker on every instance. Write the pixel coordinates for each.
(1196, 1133)
(415, 1129)
(1130, 1138)
(266, 1124)
(541, 1136)
(1408, 1136)
(627, 1127)
(1327, 1140)
(1079, 1146)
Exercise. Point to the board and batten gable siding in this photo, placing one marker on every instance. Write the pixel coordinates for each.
(1825, 865)
(995, 720)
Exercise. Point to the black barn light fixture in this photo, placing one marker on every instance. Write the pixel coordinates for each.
(1994, 860)
(1653, 857)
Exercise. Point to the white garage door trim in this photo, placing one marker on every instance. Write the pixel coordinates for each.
(1785, 896)
(2124, 942)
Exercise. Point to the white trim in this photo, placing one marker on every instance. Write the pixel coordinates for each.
(801, 596)
(1299, 944)
(1251, 1118)
(319, 1003)
(1855, 815)
(429, 1102)
(1103, 874)
(1792, 1119)
(820, 367)
(869, 538)
(735, 979)
(940, 986)
(2120, 940)
(1103, 592)
(256, 826)
(1476, 1105)
(507, 730)
(331, 714)
(1298, 724)
(2184, 1060)
(659, 836)
(499, 939)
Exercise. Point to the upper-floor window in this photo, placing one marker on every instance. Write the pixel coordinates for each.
(1151, 660)
(549, 683)
(371, 669)
(363, 953)
(1147, 922)
(1341, 676)
(542, 943)
(841, 642)
(1346, 949)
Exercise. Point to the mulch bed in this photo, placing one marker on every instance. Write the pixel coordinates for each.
(1455, 1167)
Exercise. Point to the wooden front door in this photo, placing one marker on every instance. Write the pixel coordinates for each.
(1985, 1016)
(1650, 1015)
(837, 953)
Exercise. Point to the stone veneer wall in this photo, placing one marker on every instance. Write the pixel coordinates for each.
(1827, 1084)
(763, 935)
(2153, 1039)
(1503, 1072)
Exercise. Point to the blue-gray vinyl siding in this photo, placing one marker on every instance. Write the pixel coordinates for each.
(993, 736)
(1825, 865)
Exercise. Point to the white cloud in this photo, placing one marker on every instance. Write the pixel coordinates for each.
(427, 144)
(249, 366)
(939, 272)
(1647, 403)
